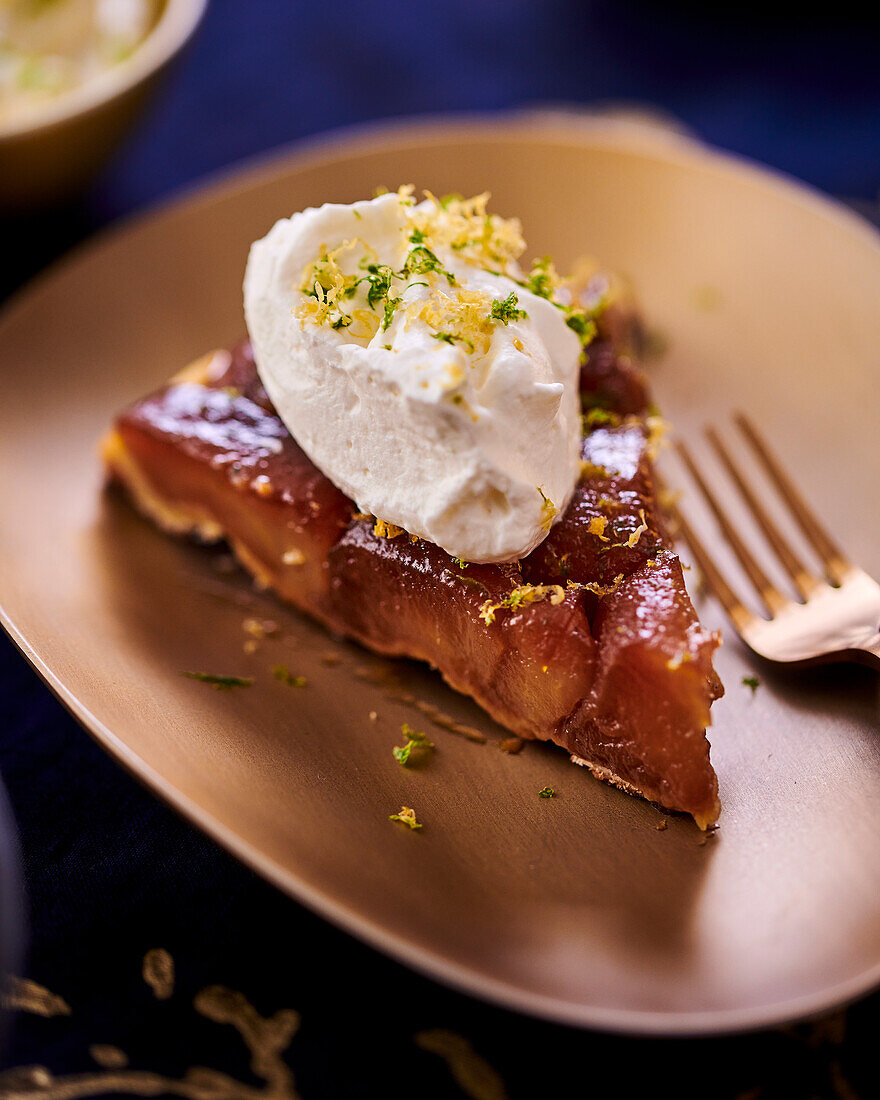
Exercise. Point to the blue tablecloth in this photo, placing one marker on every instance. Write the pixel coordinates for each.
(110, 872)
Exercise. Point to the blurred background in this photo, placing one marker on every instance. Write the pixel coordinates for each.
(794, 87)
(109, 872)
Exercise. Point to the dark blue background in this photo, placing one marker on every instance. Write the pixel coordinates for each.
(803, 96)
(110, 872)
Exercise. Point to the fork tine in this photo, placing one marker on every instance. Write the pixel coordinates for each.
(771, 597)
(836, 564)
(802, 579)
(739, 615)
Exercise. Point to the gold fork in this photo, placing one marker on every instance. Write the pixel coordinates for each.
(836, 619)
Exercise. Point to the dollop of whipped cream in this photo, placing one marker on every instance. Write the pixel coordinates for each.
(407, 360)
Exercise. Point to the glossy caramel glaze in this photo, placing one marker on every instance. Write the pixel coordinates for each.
(618, 673)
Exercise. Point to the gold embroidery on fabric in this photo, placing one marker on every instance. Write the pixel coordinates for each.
(473, 1074)
(108, 1056)
(267, 1039)
(25, 1079)
(26, 996)
(158, 972)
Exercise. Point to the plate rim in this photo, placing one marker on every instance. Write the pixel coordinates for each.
(429, 963)
(252, 172)
(563, 126)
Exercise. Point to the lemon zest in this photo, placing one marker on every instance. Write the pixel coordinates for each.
(658, 430)
(590, 469)
(522, 596)
(384, 530)
(326, 286)
(466, 227)
(634, 537)
(407, 816)
(464, 316)
(549, 511)
(364, 324)
(596, 588)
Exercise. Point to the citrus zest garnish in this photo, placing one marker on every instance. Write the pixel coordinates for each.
(634, 537)
(522, 596)
(596, 588)
(416, 741)
(384, 530)
(407, 816)
(549, 511)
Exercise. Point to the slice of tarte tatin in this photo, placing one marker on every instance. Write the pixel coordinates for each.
(590, 642)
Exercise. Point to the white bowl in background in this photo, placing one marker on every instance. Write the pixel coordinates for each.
(50, 154)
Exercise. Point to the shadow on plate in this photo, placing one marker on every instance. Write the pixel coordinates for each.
(612, 887)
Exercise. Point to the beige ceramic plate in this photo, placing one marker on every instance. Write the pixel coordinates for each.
(576, 908)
